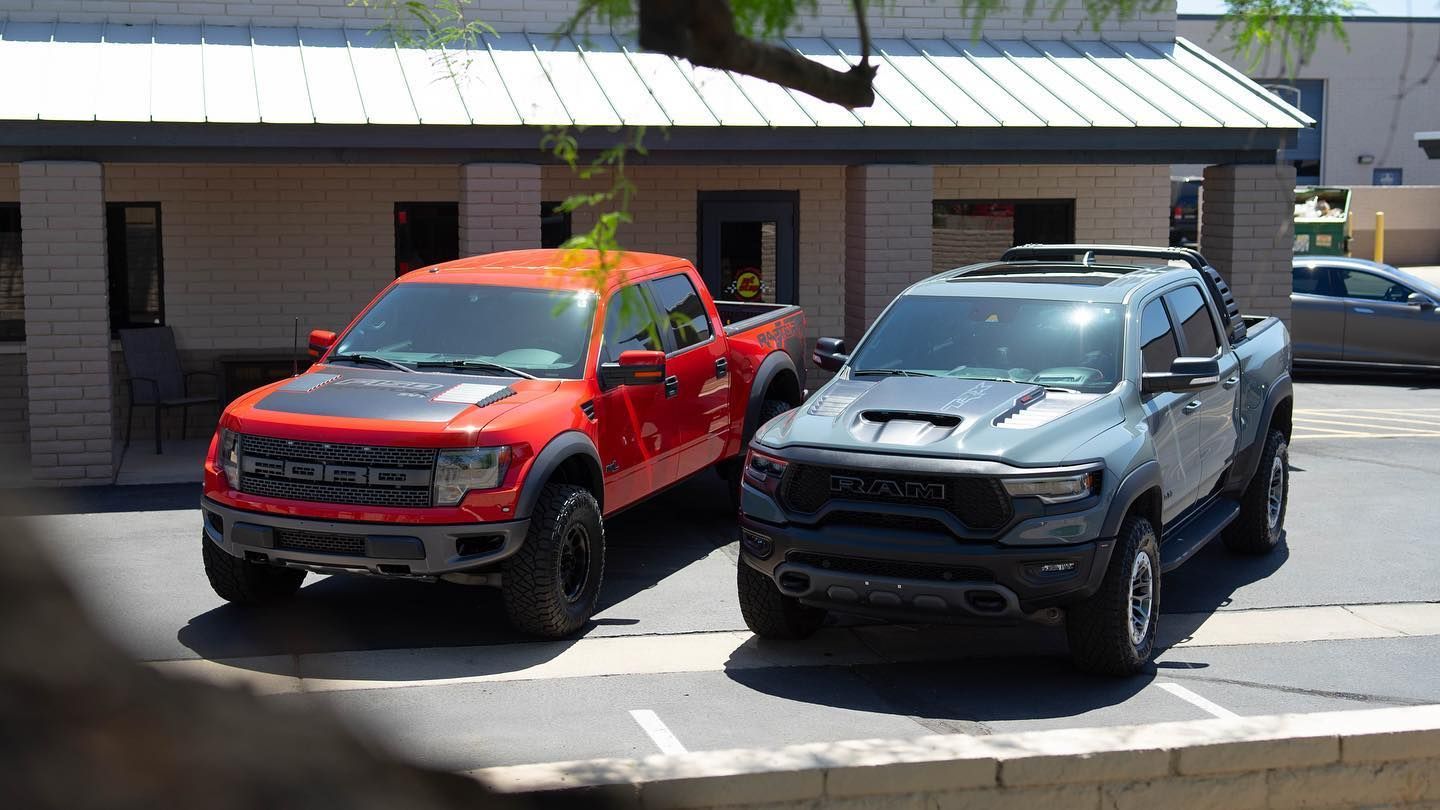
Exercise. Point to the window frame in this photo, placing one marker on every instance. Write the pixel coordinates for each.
(1183, 338)
(1140, 335)
(112, 257)
(547, 209)
(662, 315)
(1328, 284)
(7, 207)
(1349, 297)
(602, 352)
(410, 208)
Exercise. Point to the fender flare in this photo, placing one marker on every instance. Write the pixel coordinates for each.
(1139, 480)
(562, 448)
(1247, 460)
(772, 365)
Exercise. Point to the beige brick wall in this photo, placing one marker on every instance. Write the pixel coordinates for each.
(67, 321)
(1248, 233)
(887, 238)
(249, 248)
(666, 205)
(9, 182)
(916, 18)
(499, 207)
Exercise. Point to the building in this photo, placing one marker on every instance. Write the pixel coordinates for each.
(1370, 95)
(233, 171)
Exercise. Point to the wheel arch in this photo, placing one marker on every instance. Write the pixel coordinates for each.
(777, 378)
(569, 458)
(1139, 493)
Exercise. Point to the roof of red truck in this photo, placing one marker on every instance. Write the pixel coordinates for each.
(548, 267)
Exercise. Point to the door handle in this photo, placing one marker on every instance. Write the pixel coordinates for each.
(1232, 382)
(672, 386)
(1192, 407)
(1364, 311)
(722, 367)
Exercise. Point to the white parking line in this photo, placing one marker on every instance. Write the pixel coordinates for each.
(1195, 700)
(660, 733)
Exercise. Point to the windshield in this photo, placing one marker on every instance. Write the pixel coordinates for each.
(1062, 344)
(540, 332)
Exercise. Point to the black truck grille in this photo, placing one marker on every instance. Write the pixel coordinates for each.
(320, 542)
(980, 502)
(336, 473)
(888, 568)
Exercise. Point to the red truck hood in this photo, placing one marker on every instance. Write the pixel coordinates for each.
(367, 405)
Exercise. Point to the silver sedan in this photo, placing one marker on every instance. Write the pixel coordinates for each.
(1356, 312)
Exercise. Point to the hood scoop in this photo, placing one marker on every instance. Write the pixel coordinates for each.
(1042, 410)
(477, 394)
(940, 420)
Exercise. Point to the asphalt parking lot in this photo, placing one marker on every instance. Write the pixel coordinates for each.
(1346, 614)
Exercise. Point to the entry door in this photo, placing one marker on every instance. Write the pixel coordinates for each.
(748, 245)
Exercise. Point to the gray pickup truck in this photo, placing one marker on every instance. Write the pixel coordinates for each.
(1037, 438)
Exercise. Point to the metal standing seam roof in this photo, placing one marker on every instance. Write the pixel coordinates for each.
(117, 72)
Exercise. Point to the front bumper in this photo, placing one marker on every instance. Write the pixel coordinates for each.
(381, 549)
(914, 576)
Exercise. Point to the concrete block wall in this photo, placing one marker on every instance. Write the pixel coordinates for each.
(67, 321)
(499, 207)
(1382, 758)
(1247, 230)
(834, 18)
(887, 238)
(666, 205)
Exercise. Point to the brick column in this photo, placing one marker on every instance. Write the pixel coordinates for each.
(1247, 230)
(887, 237)
(499, 207)
(67, 322)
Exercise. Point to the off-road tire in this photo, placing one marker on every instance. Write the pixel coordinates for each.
(247, 583)
(1099, 628)
(1252, 533)
(771, 614)
(533, 582)
(771, 408)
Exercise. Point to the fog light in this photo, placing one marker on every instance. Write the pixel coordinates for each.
(1056, 568)
(758, 545)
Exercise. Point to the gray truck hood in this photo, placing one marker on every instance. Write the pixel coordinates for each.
(1020, 423)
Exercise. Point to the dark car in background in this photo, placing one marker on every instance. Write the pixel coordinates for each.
(1353, 312)
(1184, 211)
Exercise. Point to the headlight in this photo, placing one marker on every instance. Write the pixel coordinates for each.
(459, 471)
(1055, 489)
(230, 457)
(764, 471)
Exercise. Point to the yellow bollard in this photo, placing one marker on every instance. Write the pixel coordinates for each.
(1379, 237)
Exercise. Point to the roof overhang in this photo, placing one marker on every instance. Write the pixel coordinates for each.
(1430, 142)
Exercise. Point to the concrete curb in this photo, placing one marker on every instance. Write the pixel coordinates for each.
(1371, 758)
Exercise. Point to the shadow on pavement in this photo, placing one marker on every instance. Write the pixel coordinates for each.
(103, 500)
(362, 614)
(1413, 380)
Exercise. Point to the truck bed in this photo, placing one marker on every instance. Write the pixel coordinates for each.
(770, 327)
(742, 316)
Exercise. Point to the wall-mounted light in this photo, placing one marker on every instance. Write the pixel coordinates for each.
(1365, 160)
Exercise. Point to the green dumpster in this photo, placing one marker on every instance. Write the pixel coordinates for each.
(1322, 221)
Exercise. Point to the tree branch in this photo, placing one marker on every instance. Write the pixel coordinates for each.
(703, 32)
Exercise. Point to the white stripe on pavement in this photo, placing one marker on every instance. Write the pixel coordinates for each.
(1195, 700)
(737, 650)
(659, 733)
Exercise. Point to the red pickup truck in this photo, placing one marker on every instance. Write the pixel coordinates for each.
(478, 419)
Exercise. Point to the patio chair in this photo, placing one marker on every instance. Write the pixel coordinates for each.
(156, 379)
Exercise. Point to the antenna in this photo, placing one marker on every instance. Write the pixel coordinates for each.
(295, 350)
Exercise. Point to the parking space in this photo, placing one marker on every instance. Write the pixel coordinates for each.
(1343, 615)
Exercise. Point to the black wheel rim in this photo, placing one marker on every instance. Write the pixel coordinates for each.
(575, 562)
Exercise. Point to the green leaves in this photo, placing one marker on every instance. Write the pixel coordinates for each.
(1292, 26)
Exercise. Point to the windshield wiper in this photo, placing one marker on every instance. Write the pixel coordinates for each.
(369, 358)
(892, 372)
(461, 365)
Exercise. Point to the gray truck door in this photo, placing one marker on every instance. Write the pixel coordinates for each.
(1174, 431)
(1199, 337)
(1317, 313)
(1381, 327)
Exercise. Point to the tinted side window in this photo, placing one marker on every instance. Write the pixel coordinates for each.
(1311, 281)
(1359, 284)
(685, 314)
(1158, 348)
(629, 324)
(1188, 307)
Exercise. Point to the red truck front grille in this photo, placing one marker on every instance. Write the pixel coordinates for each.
(325, 472)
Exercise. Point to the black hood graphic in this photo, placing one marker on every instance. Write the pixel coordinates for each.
(381, 394)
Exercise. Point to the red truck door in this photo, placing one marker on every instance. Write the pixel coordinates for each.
(698, 379)
(636, 422)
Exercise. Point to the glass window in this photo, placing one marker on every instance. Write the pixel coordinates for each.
(1158, 348)
(1060, 343)
(425, 234)
(629, 325)
(1311, 281)
(676, 297)
(1359, 284)
(1188, 306)
(554, 225)
(12, 279)
(137, 278)
(542, 332)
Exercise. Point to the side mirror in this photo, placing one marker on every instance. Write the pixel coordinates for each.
(320, 342)
(1420, 300)
(635, 367)
(830, 354)
(1185, 374)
